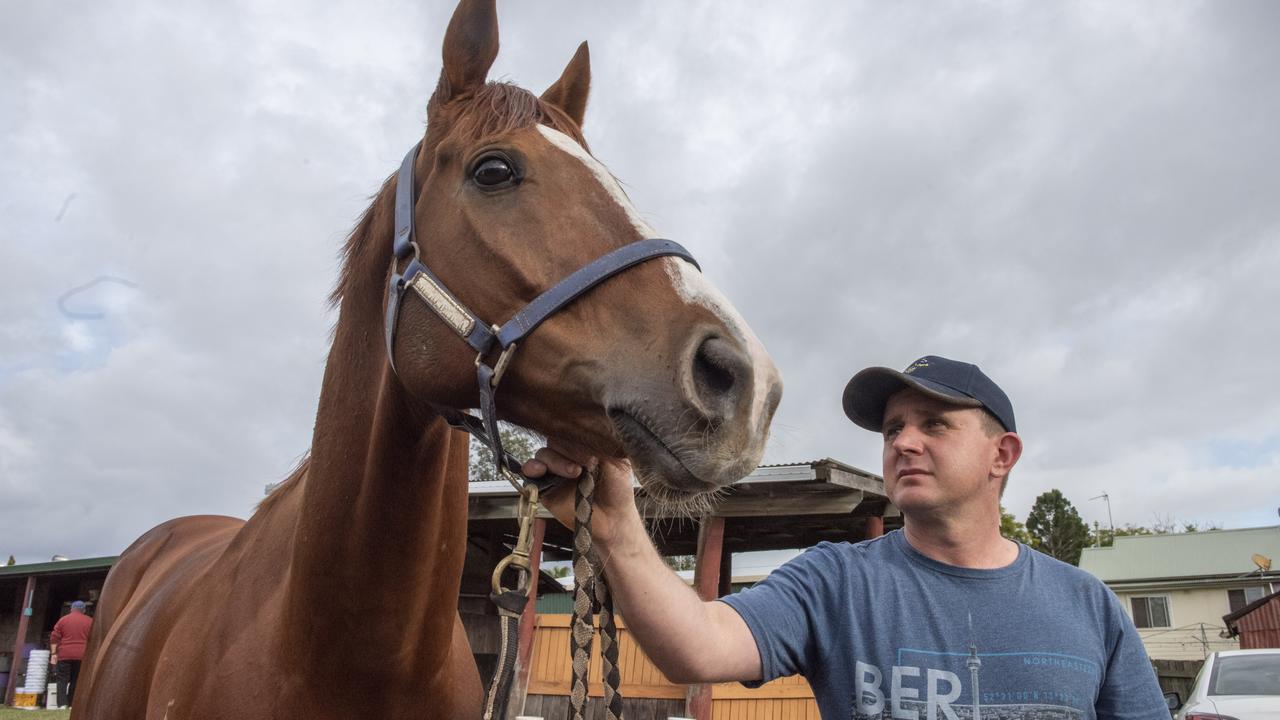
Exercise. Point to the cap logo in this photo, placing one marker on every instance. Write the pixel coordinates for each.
(921, 363)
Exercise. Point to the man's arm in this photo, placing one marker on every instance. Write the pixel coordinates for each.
(688, 639)
(1130, 690)
(55, 638)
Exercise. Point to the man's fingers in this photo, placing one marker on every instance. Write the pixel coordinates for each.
(548, 460)
(534, 467)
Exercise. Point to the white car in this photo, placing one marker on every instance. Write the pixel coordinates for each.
(1236, 685)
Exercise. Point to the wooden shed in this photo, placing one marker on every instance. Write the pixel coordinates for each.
(32, 598)
(1257, 624)
(777, 507)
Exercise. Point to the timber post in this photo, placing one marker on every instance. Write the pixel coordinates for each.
(707, 582)
(25, 604)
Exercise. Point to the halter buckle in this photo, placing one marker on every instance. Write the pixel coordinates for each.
(504, 360)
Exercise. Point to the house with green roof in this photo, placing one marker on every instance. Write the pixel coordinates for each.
(1178, 587)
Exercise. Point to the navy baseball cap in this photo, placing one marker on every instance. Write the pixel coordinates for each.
(957, 383)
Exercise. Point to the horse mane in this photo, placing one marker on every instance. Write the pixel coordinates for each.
(288, 483)
(495, 109)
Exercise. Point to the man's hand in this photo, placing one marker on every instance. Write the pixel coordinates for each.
(53, 659)
(613, 500)
(688, 639)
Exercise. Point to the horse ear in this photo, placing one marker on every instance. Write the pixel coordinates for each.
(470, 46)
(569, 93)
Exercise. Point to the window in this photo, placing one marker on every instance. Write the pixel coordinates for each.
(1150, 612)
(1239, 598)
(1252, 674)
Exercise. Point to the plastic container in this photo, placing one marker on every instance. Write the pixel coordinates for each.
(37, 672)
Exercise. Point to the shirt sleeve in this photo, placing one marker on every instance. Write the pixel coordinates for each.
(783, 610)
(1130, 690)
(55, 637)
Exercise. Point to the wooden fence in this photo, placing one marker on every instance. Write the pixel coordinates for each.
(1177, 675)
(649, 694)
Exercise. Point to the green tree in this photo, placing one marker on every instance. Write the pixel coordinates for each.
(681, 562)
(516, 440)
(1012, 529)
(1105, 537)
(1056, 528)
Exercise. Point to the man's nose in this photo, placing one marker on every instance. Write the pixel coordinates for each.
(906, 440)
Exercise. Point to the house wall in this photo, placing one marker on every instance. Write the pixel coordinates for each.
(1190, 612)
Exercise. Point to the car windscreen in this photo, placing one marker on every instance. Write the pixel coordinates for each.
(1246, 675)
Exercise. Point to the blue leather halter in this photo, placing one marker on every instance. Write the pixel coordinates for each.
(486, 339)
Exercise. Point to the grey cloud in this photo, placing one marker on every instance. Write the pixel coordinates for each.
(1079, 197)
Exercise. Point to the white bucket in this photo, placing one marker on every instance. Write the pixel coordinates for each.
(37, 672)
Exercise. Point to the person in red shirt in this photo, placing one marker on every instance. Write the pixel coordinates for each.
(66, 649)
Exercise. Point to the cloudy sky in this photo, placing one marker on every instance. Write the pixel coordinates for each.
(1083, 198)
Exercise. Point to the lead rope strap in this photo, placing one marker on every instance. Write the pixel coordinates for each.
(511, 604)
(591, 593)
(583, 581)
(495, 703)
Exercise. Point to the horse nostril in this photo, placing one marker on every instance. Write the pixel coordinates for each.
(716, 366)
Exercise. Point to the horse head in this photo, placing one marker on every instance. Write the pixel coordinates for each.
(653, 364)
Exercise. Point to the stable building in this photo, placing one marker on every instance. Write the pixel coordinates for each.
(777, 507)
(32, 598)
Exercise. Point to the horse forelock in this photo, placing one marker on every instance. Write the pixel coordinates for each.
(496, 109)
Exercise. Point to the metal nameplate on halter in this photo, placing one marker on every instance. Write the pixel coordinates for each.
(445, 306)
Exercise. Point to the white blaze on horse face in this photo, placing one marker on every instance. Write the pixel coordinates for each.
(602, 174)
(689, 284)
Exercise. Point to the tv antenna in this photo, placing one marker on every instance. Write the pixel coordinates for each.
(1107, 498)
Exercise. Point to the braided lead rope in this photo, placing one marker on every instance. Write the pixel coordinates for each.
(591, 594)
(583, 580)
(610, 672)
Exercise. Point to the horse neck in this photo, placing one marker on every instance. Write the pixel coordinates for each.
(380, 541)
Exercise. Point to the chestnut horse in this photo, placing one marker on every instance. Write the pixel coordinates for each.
(338, 597)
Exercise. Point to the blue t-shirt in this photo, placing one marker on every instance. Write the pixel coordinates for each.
(881, 631)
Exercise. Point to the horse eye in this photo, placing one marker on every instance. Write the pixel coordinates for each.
(493, 171)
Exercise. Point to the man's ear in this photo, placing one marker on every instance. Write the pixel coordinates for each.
(1008, 450)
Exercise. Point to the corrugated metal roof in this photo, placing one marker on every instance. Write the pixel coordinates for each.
(1182, 555)
(816, 463)
(60, 566)
(777, 472)
(1261, 628)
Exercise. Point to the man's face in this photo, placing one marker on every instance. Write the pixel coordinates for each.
(936, 455)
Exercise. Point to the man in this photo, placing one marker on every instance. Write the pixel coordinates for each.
(944, 619)
(66, 649)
